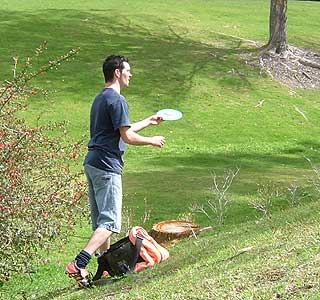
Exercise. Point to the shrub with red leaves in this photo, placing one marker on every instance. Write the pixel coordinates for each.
(40, 198)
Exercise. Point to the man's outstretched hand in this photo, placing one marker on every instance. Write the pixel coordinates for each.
(155, 120)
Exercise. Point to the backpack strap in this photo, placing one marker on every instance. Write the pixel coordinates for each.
(138, 245)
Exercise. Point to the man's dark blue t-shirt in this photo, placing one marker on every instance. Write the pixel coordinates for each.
(109, 112)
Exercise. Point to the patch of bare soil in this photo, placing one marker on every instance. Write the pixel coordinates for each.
(297, 68)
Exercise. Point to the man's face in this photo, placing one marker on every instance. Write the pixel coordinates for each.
(125, 75)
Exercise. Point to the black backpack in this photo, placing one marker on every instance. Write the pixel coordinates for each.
(120, 259)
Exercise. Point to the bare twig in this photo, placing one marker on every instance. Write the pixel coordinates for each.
(200, 209)
(205, 228)
(239, 252)
(15, 60)
(220, 201)
(193, 233)
(314, 180)
(260, 103)
(300, 112)
(306, 74)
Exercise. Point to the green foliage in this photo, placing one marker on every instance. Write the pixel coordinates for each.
(39, 195)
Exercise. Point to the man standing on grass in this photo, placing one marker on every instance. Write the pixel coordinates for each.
(110, 131)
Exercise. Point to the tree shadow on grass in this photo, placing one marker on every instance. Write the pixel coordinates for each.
(294, 158)
(165, 63)
(174, 183)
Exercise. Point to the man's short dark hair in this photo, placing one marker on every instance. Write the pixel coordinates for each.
(112, 63)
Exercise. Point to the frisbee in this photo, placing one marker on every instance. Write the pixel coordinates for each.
(169, 114)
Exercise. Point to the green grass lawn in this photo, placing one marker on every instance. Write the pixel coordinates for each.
(185, 55)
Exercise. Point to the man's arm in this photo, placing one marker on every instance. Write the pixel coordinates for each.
(153, 120)
(131, 137)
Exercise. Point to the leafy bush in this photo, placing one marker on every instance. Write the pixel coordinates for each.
(39, 195)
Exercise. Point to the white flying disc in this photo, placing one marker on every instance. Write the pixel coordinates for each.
(169, 114)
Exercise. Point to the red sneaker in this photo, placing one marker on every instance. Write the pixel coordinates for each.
(82, 276)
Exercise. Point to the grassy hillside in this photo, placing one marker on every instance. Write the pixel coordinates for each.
(185, 55)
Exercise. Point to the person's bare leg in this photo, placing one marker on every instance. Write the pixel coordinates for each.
(99, 238)
(105, 246)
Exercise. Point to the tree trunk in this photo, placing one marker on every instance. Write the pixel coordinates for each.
(278, 27)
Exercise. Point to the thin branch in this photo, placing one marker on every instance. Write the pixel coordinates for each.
(300, 112)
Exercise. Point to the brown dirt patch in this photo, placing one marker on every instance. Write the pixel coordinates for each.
(297, 68)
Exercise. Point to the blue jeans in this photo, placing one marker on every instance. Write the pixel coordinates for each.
(105, 196)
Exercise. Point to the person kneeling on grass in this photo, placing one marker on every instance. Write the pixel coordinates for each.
(110, 131)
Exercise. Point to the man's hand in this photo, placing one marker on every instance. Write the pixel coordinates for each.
(152, 120)
(158, 141)
(155, 120)
(132, 138)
